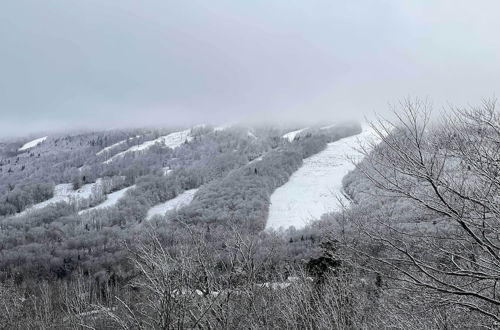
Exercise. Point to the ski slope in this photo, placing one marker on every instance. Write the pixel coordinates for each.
(64, 193)
(32, 144)
(290, 136)
(173, 140)
(119, 143)
(173, 204)
(315, 188)
(111, 200)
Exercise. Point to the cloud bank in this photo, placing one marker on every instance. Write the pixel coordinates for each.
(102, 64)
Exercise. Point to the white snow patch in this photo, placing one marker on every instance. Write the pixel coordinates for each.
(328, 127)
(108, 148)
(258, 159)
(173, 140)
(222, 127)
(274, 285)
(64, 193)
(32, 144)
(166, 170)
(111, 200)
(315, 188)
(173, 204)
(291, 135)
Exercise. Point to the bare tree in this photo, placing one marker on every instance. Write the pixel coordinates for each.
(451, 172)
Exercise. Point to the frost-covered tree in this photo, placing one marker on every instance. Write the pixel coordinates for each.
(447, 250)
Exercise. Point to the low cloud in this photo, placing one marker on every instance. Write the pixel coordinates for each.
(94, 64)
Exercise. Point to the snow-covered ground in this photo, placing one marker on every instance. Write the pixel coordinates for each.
(64, 193)
(315, 188)
(32, 144)
(173, 140)
(111, 200)
(119, 143)
(290, 136)
(173, 204)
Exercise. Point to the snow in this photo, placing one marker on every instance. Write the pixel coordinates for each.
(64, 193)
(274, 285)
(32, 144)
(328, 127)
(267, 285)
(173, 204)
(291, 135)
(173, 140)
(111, 200)
(108, 148)
(258, 159)
(315, 188)
(223, 127)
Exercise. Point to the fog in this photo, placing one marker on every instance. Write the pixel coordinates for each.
(106, 64)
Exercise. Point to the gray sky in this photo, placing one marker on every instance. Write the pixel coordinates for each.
(100, 63)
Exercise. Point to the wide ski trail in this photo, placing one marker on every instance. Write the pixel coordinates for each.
(315, 188)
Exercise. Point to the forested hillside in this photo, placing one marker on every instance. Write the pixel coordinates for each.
(420, 229)
(47, 232)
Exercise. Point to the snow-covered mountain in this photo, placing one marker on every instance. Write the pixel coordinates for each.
(225, 164)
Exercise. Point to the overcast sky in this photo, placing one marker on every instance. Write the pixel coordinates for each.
(96, 63)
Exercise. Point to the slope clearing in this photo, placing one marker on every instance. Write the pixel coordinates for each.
(32, 144)
(173, 204)
(315, 187)
(172, 140)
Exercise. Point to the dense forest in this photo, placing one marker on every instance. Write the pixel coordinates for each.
(416, 247)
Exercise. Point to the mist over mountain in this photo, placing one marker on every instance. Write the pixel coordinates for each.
(326, 165)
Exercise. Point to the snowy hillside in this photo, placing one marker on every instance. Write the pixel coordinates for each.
(64, 193)
(312, 190)
(32, 144)
(290, 136)
(111, 147)
(182, 200)
(111, 200)
(173, 140)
